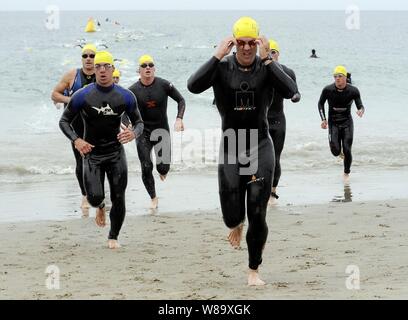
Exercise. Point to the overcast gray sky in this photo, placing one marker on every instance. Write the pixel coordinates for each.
(204, 5)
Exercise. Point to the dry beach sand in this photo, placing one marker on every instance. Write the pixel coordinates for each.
(173, 256)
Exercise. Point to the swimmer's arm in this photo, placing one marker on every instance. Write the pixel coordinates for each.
(322, 101)
(181, 106)
(57, 94)
(133, 113)
(280, 81)
(67, 117)
(125, 121)
(176, 96)
(359, 104)
(297, 96)
(204, 77)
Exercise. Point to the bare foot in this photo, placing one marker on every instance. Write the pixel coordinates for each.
(85, 212)
(85, 204)
(253, 278)
(346, 177)
(272, 201)
(113, 244)
(341, 155)
(155, 203)
(100, 218)
(235, 236)
(163, 177)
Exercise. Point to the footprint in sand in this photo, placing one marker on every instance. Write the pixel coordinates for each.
(281, 285)
(150, 251)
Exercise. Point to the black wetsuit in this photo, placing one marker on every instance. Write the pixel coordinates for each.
(340, 121)
(81, 80)
(101, 109)
(152, 102)
(243, 96)
(277, 125)
(349, 81)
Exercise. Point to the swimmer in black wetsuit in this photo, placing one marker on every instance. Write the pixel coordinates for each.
(243, 85)
(313, 55)
(71, 82)
(277, 120)
(101, 107)
(152, 93)
(340, 96)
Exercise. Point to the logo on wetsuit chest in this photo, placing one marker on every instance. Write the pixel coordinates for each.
(151, 104)
(106, 111)
(244, 99)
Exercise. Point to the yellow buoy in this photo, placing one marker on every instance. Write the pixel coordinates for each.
(90, 26)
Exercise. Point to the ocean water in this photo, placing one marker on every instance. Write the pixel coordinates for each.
(33, 149)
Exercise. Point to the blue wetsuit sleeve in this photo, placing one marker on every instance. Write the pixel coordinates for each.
(357, 100)
(204, 77)
(176, 96)
(72, 110)
(280, 81)
(133, 113)
(322, 101)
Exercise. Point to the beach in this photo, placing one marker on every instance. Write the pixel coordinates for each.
(174, 256)
(327, 239)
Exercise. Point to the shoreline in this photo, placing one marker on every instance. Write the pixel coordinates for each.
(58, 198)
(177, 256)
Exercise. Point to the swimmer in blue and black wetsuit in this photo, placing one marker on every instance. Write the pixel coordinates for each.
(340, 96)
(243, 85)
(277, 120)
(71, 82)
(101, 107)
(152, 94)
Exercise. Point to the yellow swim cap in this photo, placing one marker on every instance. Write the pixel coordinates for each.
(116, 73)
(145, 58)
(273, 45)
(89, 47)
(103, 57)
(340, 70)
(245, 27)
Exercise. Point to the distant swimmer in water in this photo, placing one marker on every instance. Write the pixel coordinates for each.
(101, 106)
(82, 45)
(152, 94)
(116, 76)
(243, 84)
(71, 82)
(340, 96)
(314, 54)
